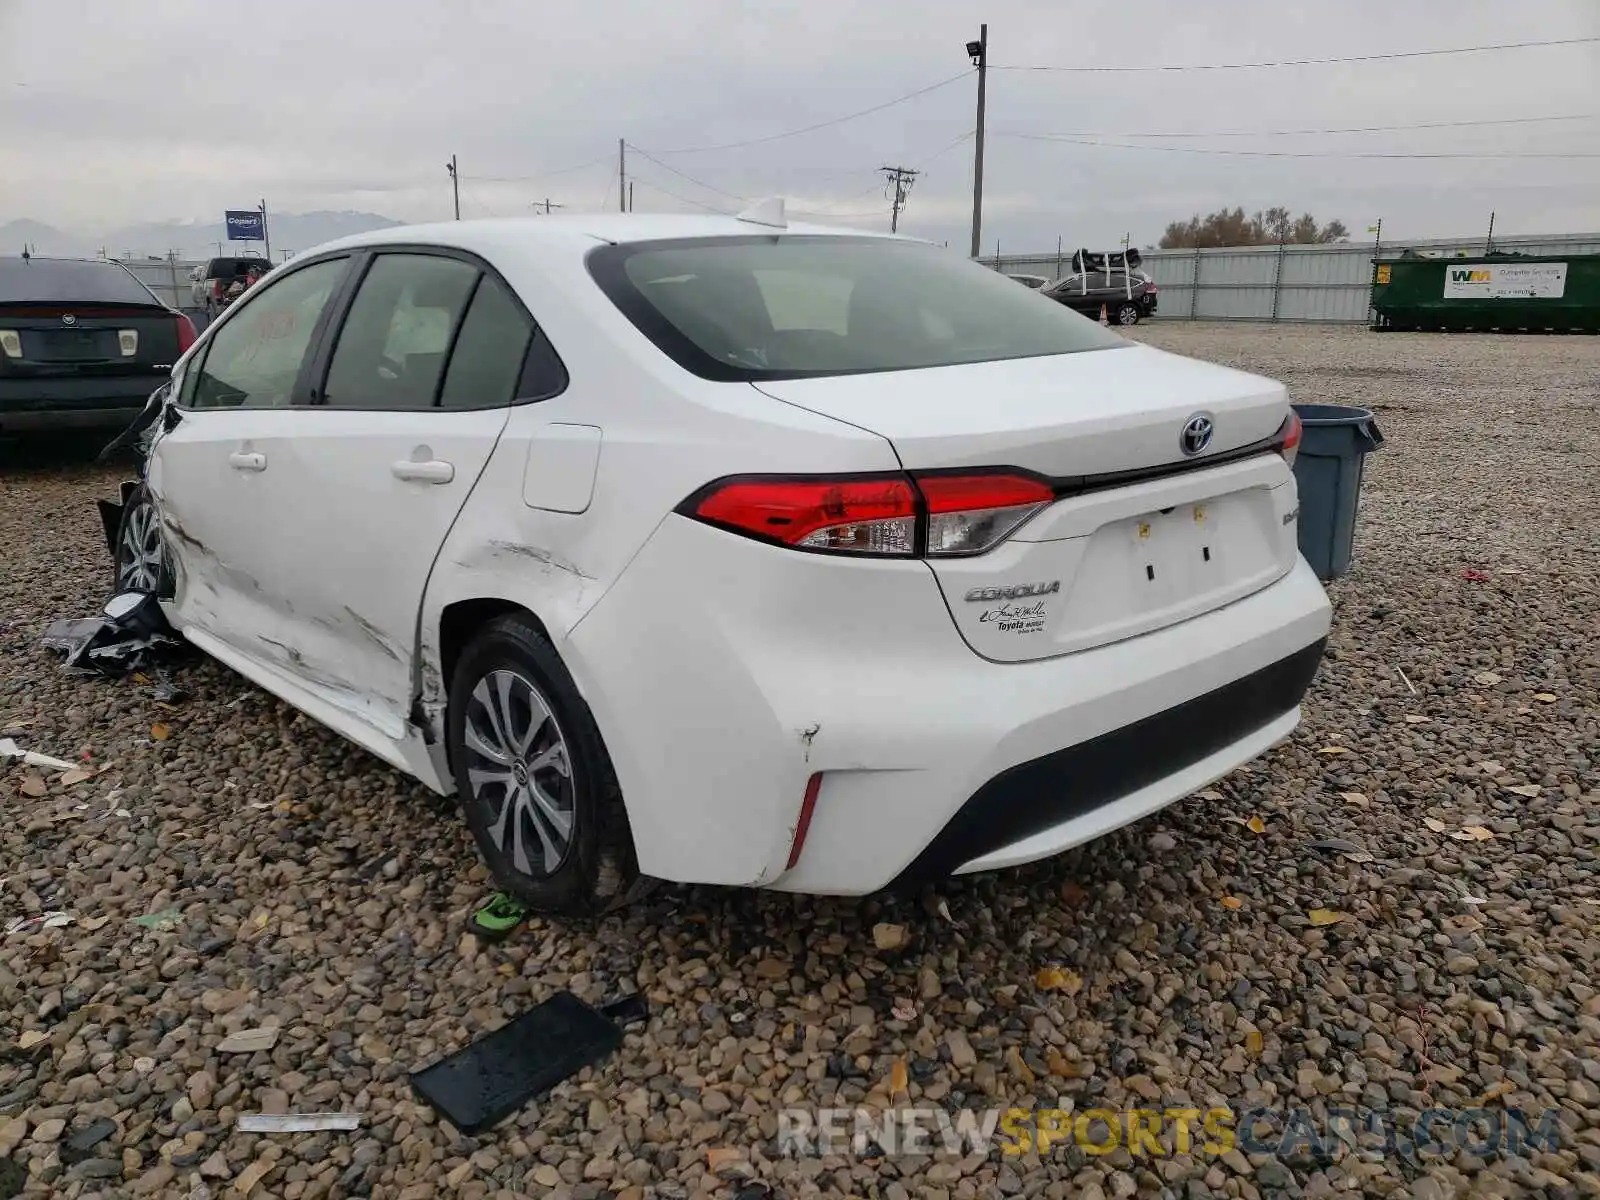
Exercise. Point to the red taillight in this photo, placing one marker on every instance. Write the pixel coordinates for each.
(1287, 440)
(186, 333)
(968, 514)
(940, 514)
(872, 515)
(1151, 287)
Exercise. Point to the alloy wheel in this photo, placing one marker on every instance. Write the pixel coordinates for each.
(1128, 314)
(520, 771)
(143, 556)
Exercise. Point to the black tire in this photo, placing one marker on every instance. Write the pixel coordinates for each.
(1128, 313)
(128, 528)
(598, 869)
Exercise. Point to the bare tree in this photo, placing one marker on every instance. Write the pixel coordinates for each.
(1231, 227)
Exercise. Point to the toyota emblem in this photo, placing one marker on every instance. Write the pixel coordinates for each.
(68, 319)
(1196, 435)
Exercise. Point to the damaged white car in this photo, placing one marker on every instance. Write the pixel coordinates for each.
(730, 551)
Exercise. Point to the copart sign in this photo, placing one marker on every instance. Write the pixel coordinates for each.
(1494, 281)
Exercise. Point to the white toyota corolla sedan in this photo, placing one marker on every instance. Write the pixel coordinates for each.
(728, 550)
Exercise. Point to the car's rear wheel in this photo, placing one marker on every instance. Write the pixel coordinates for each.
(1128, 313)
(141, 562)
(535, 782)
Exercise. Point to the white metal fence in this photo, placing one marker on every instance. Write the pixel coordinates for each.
(1282, 283)
(1244, 283)
(167, 278)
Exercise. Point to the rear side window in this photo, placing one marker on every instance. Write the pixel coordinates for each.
(69, 281)
(254, 359)
(489, 351)
(393, 344)
(795, 306)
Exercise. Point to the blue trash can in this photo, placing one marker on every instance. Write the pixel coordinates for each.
(1333, 448)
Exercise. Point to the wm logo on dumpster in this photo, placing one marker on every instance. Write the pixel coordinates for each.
(1466, 275)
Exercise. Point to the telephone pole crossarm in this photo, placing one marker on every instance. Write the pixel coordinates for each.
(900, 181)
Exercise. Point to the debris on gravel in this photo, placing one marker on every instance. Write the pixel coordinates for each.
(1307, 935)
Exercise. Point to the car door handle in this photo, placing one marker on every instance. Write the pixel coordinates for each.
(241, 461)
(431, 471)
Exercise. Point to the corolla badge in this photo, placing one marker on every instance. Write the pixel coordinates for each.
(1014, 592)
(68, 319)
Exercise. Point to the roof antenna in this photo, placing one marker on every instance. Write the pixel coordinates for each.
(765, 212)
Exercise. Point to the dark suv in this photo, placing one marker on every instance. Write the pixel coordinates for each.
(1110, 281)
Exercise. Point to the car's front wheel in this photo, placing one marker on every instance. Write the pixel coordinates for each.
(141, 563)
(1128, 313)
(535, 782)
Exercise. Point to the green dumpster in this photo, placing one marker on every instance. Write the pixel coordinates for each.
(1507, 292)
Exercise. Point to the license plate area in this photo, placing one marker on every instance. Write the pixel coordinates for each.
(1176, 553)
(70, 345)
(1129, 565)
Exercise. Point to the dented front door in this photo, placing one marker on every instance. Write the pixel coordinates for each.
(374, 496)
(217, 471)
(413, 391)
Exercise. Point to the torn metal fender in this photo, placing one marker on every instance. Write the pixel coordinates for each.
(152, 409)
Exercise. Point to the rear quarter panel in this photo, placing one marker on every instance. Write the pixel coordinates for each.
(663, 433)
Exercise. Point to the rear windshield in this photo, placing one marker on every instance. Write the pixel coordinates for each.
(68, 281)
(796, 306)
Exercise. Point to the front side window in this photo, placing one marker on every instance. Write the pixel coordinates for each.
(254, 358)
(753, 308)
(392, 347)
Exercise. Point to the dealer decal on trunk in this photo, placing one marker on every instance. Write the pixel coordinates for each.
(1015, 618)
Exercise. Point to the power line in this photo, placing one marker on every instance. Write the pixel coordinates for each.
(1298, 132)
(681, 199)
(475, 198)
(1040, 137)
(690, 178)
(948, 146)
(774, 137)
(605, 158)
(1311, 62)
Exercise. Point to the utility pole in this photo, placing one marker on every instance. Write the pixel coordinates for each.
(630, 195)
(455, 184)
(1488, 242)
(622, 175)
(548, 205)
(266, 234)
(978, 51)
(900, 179)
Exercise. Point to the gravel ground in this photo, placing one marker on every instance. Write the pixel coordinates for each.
(300, 885)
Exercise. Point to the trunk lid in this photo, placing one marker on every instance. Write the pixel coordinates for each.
(1110, 558)
(58, 340)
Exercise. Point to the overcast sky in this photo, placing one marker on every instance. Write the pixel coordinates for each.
(121, 113)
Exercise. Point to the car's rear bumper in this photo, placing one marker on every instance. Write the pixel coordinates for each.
(1040, 807)
(85, 402)
(725, 674)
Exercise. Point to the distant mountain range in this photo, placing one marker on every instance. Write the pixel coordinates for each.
(191, 239)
